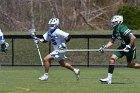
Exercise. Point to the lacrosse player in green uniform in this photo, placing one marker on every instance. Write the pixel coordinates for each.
(123, 33)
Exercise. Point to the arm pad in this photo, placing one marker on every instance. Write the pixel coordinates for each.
(68, 38)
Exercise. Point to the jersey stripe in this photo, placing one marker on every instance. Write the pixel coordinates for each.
(134, 54)
(126, 32)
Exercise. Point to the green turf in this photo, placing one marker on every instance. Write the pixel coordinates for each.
(25, 80)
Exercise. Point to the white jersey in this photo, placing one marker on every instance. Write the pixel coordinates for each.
(2, 40)
(56, 36)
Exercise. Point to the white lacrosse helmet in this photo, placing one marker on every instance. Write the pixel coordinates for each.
(53, 23)
(116, 20)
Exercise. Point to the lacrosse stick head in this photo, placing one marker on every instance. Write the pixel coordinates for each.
(32, 32)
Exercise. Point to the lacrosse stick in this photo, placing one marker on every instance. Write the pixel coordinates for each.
(32, 31)
(82, 50)
(0, 61)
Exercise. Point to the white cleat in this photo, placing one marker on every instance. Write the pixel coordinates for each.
(77, 73)
(44, 77)
(106, 81)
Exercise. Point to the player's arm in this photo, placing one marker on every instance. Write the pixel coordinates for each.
(63, 46)
(39, 40)
(109, 44)
(132, 39)
(67, 39)
(43, 39)
(64, 35)
(127, 33)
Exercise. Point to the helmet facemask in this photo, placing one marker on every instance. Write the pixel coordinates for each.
(53, 23)
(52, 26)
(114, 24)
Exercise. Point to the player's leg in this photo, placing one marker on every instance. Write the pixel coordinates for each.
(66, 65)
(131, 60)
(69, 66)
(134, 65)
(47, 60)
(111, 66)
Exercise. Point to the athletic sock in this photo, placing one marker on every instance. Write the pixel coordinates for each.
(109, 76)
(46, 74)
(110, 71)
(74, 69)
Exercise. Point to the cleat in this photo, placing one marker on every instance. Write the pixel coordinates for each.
(106, 81)
(77, 73)
(44, 77)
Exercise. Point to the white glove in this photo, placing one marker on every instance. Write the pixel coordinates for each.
(101, 49)
(37, 40)
(127, 48)
(4, 47)
(62, 46)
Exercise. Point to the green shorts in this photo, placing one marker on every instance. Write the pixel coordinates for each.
(130, 56)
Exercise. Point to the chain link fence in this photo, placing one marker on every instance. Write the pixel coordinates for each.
(23, 52)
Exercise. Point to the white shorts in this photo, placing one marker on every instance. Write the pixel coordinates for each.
(56, 55)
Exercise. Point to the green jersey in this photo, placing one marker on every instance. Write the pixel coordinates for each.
(122, 32)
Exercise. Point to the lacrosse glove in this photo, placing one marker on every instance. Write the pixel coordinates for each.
(36, 40)
(101, 49)
(62, 46)
(4, 47)
(127, 48)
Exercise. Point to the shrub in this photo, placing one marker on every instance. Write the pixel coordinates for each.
(131, 16)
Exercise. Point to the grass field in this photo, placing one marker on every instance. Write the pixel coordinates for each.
(25, 80)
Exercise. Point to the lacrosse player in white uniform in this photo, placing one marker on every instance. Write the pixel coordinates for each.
(58, 39)
(4, 45)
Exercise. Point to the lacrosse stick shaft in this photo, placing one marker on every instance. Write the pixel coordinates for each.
(94, 50)
(33, 36)
(39, 54)
(82, 50)
(32, 31)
